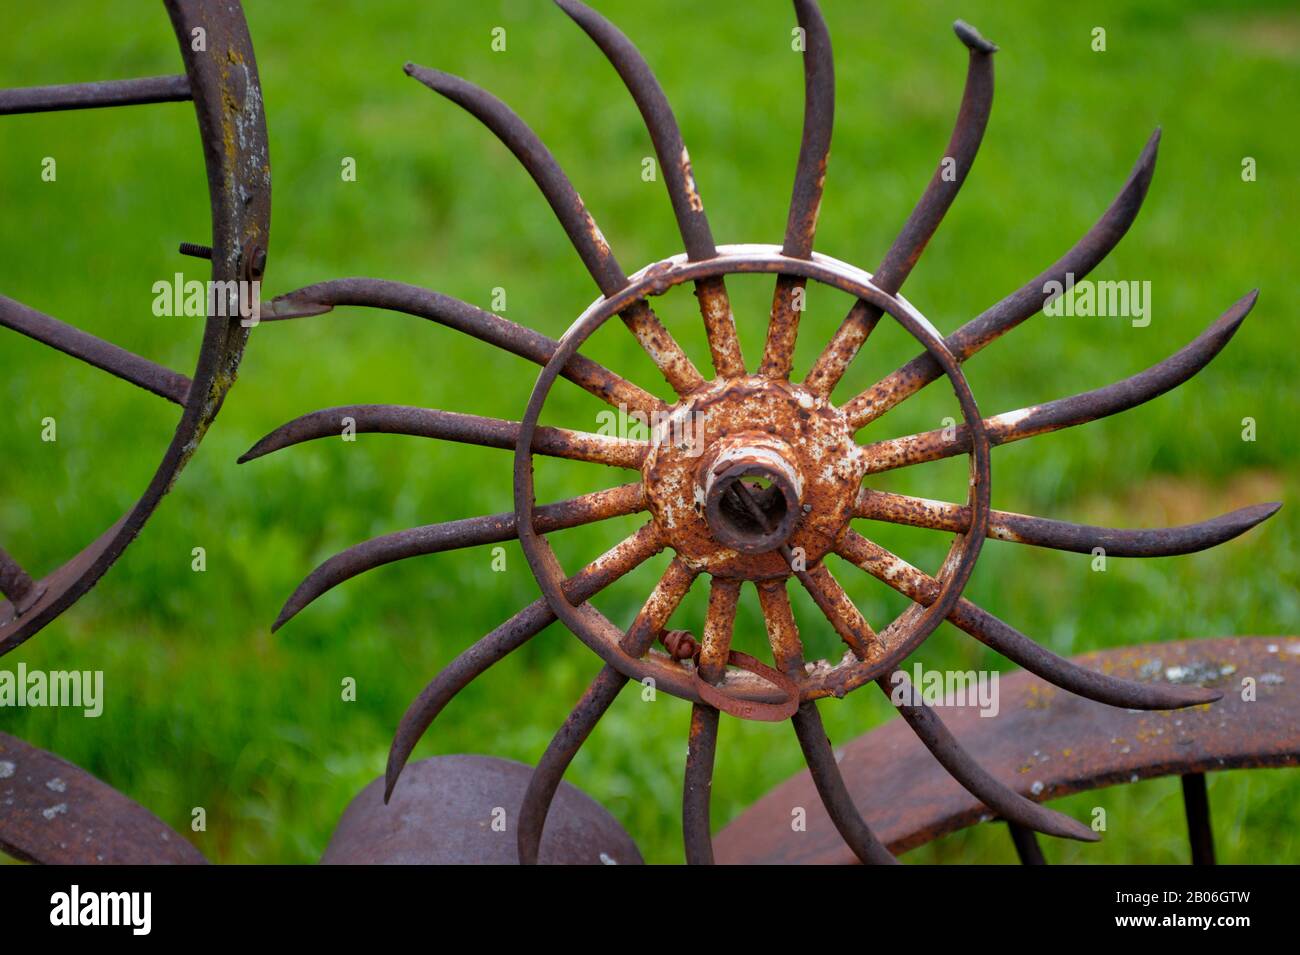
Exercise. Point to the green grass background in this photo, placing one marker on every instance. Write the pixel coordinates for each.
(206, 708)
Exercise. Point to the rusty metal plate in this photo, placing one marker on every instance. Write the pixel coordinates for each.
(462, 810)
(1044, 743)
(55, 813)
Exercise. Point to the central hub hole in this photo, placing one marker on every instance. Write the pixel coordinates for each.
(752, 493)
(740, 519)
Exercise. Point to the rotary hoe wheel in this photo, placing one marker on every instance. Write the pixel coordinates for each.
(772, 483)
(221, 79)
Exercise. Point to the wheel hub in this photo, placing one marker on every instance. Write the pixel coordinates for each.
(794, 453)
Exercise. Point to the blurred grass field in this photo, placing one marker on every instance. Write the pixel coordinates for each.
(206, 708)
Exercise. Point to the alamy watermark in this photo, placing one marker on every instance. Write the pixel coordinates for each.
(195, 299)
(78, 689)
(1087, 299)
(683, 430)
(973, 688)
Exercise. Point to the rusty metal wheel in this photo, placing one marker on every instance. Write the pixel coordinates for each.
(779, 479)
(221, 79)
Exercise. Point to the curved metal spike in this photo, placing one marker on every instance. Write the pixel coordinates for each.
(1013, 644)
(1067, 412)
(958, 157)
(569, 208)
(452, 535)
(636, 642)
(1026, 301)
(463, 317)
(697, 785)
(450, 426)
(1062, 535)
(809, 182)
(559, 754)
(615, 563)
(678, 177)
(978, 781)
(819, 756)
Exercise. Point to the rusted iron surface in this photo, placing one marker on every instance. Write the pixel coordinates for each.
(1045, 743)
(464, 810)
(222, 81)
(55, 813)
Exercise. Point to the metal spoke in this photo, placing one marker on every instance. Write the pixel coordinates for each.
(782, 631)
(675, 163)
(95, 351)
(697, 785)
(1066, 412)
(569, 208)
(450, 426)
(963, 145)
(809, 181)
(1062, 535)
(45, 99)
(840, 610)
(1026, 301)
(715, 648)
(974, 778)
(1196, 804)
(614, 564)
(453, 535)
(463, 317)
(636, 642)
(1013, 644)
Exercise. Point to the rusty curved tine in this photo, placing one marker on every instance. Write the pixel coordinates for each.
(103, 355)
(819, 756)
(1026, 301)
(463, 317)
(675, 162)
(1027, 848)
(569, 208)
(787, 651)
(1062, 535)
(1067, 412)
(615, 563)
(636, 642)
(1196, 806)
(133, 92)
(452, 535)
(809, 181)
(844, 616)
(450, 426)
(963, 145)
(697, 785)
(974, 778)
(1014, 645)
